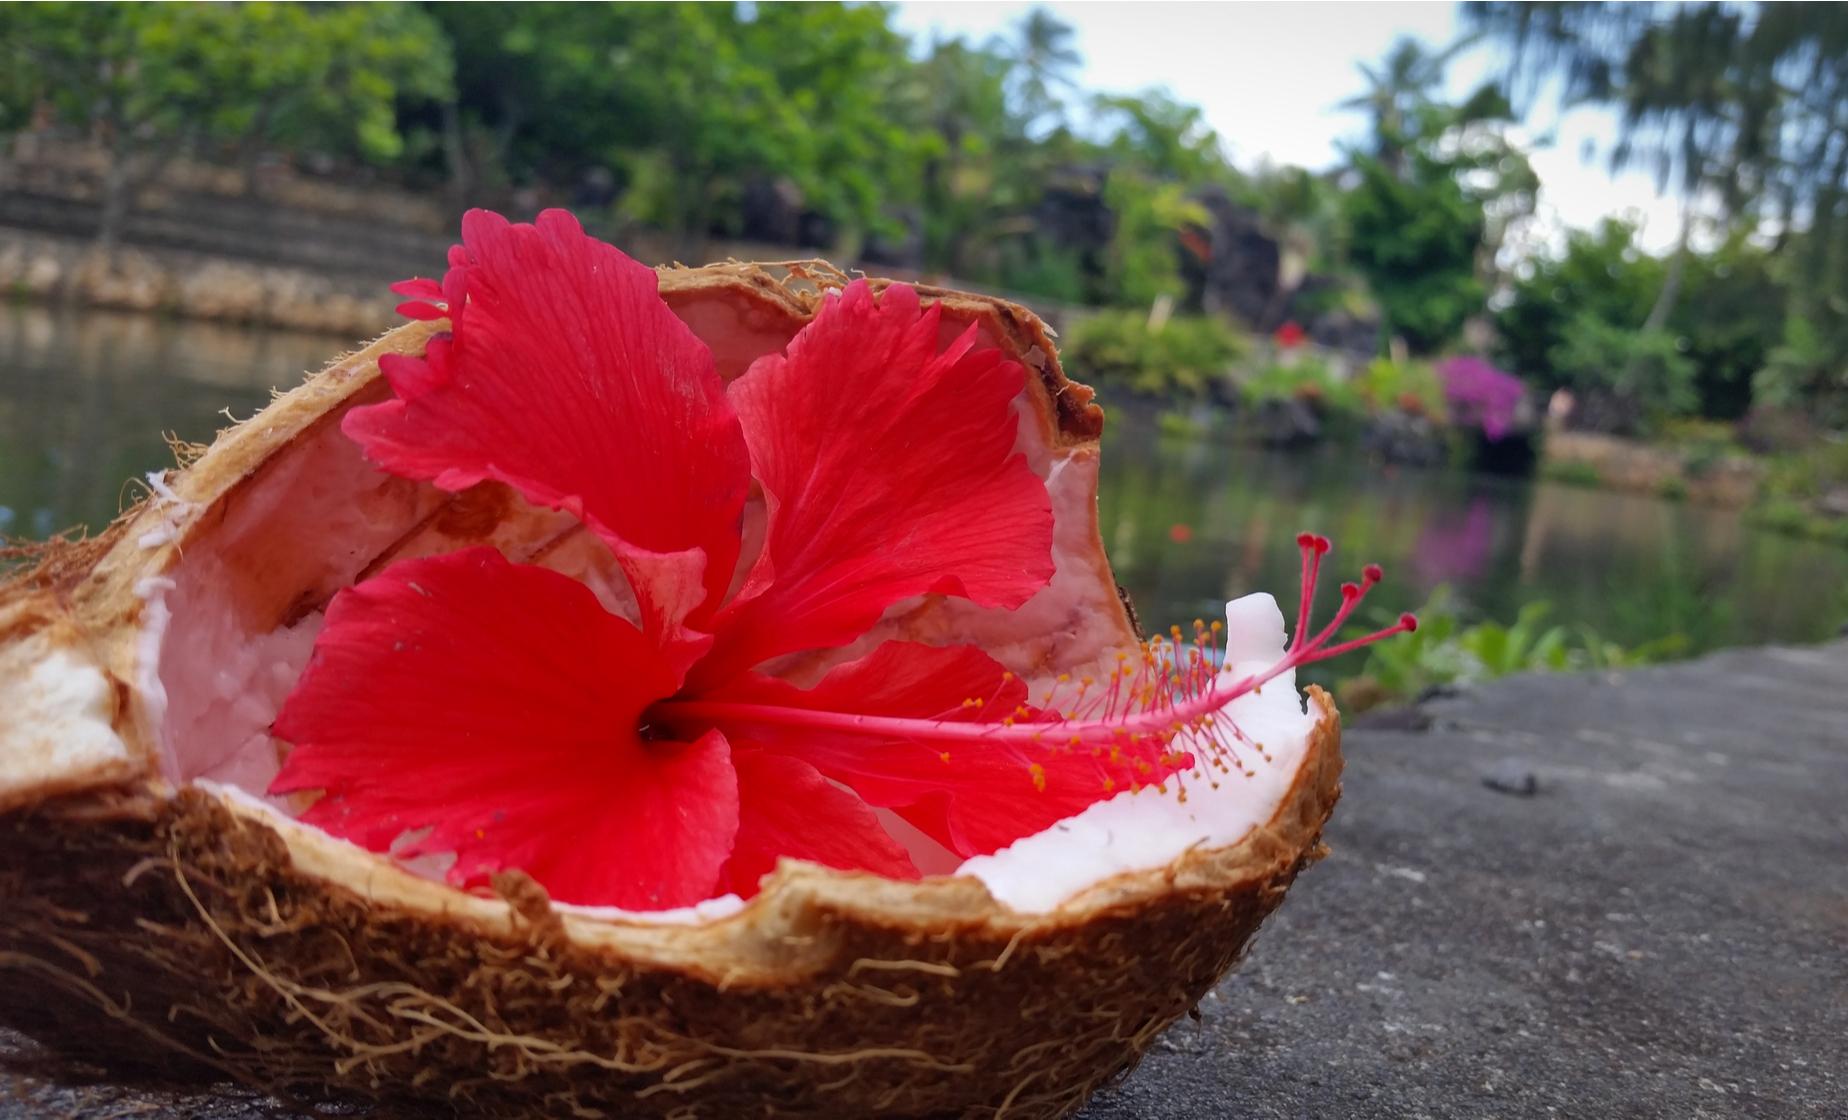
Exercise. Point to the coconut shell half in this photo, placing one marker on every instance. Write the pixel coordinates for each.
(155, 912)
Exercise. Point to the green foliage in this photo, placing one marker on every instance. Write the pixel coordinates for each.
(1048, 271)
(1729, 316)
(970, 160)
(1796, 496)
(1601, 275)
(1415, 239)
(725, 94)
(1739, 103)
(1409, 386)
(1306, 379)
(1721, 328)
(1161, 136)
(1185, 356)
(1811, 474)
(1640, 376)
(1443, 652)
(1572, 473)
(1798, 519)
(1805, 371)
(1143, 260)
(1384, 385)
(321, 77)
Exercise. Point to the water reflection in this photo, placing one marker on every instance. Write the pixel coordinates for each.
(1633, 568)
(85, 398)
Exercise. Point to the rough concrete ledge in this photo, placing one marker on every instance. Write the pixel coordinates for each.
(1658, 929)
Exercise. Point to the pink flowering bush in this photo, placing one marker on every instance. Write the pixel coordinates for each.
(1481, 395)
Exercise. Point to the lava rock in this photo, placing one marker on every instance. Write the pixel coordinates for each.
(1512, 777)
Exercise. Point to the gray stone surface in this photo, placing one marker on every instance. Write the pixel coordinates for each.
(1661, 931)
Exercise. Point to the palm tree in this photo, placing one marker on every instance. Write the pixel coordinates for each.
(1043, 51)
(1399, 90)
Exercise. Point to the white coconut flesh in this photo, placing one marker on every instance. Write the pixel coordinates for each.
(228, 624)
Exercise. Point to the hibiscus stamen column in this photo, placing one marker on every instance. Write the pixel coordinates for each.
(1172, 688)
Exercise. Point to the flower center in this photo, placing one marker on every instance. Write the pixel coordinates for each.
(1173, 688)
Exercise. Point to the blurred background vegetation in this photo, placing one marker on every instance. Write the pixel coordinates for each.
(1378, 303)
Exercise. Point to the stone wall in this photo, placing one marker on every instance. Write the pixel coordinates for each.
(286, 250)
(176, 282)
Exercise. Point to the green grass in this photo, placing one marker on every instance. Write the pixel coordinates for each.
(1571, 473)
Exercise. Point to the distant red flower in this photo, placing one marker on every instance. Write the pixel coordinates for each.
(466, 704)
(1289, 336)
(1180, 532)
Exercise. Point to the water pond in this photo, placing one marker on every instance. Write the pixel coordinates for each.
(86, 396)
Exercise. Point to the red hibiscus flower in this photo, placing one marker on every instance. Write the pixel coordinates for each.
(637, 750)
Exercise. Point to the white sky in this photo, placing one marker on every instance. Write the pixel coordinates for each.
(1269, 75)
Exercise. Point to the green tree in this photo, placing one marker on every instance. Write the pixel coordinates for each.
(151, 82)
(1738, 102)
(1160, 153)
(797, 91)
(1730, 317)
(1432, 196)
(538, 86)
(1415, 239)
(1628, 381)
(1399, 91)
(1162, 137)
(956, 100)
(1044, 61)
(1601, 275)
(1602, 286)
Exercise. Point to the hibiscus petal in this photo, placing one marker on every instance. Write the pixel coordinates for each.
(889, 471)
(786, 808)
(567, 377)
(971, 797)
(497, 706)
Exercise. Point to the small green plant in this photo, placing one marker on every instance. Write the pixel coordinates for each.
(1182, 357)
(1571, 472)
(1642, 377)
(1305, 379)
(1796, 519)
(1443, 651)
(1408, 386)
(1792, 499)
(1808, 475)
(1174, 423)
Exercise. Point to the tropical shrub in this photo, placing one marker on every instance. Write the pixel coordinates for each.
(1409, 386)
(1304, 379)
(1481, 396)
(1628, 381)
(1443, 651)
(1185, 356)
